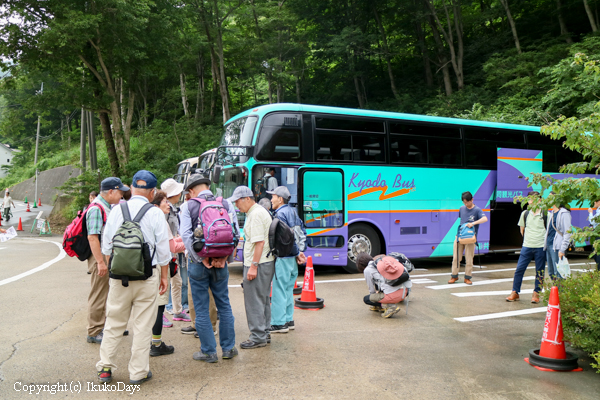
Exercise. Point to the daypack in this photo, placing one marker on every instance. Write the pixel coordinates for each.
(399, 280)
(466, 235)
(131, 259)
(544, 217)
(408, 266)
(75, 238)
(281, 239)
(263, 186)
(214, 233)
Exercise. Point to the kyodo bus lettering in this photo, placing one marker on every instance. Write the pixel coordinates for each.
(369, 186)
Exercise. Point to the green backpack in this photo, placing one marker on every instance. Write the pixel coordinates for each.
(130, 259)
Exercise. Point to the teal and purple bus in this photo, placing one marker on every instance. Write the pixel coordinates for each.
(377, 182)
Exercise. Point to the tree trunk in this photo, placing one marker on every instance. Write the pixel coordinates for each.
(110, 144)
(269, 88)
(513, 27)
(184, 99)
(82, 142)
(200, 94)
(443, 59)
(424, 54)
(361, 103)
(386, 54)
(280, 92)
(298, 100)
(213, 97)
(561, 21)
(590, 15)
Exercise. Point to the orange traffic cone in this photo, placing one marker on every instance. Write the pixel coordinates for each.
(309, 299)
(551, 356)
(40, 202)
(297, 289)
(20, 227)
(28, 210)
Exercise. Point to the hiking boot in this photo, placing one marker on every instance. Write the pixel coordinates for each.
(468, 281)
(229, 354)
(535, 299)
(452, 280)
(188, 330)
(514, 296)
(279, 329)
(126, 333)
(249, 344)
(377, 308)
(95, 339)
(105, 375)
(161, 350)
(209, 358)
(290, 325)
(390, 310)
(167, 323)
(140, 381)
(182, 317)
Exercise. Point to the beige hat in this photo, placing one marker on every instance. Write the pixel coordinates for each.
(171, 187)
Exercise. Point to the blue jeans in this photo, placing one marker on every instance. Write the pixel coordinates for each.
(217, 279)
(282, 298)
(552, 257)
(528, 254)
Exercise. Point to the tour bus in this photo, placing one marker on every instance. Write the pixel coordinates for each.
(185, 168)
(378, 182)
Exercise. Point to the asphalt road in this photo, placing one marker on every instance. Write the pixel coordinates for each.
(341, 351)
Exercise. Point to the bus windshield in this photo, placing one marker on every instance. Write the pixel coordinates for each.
(237, 133)
(230, 179)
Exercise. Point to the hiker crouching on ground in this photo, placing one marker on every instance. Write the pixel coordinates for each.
(137, 302)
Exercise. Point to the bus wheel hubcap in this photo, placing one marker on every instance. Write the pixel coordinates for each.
(358, 244)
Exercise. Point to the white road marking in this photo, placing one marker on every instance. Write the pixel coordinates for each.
(422, 280)
(476, 283)
(491, 293)
(421, 269)
(2, 248)
(503, 314)
(45, 265)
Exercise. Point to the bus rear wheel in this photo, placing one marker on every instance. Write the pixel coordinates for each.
(361, 239)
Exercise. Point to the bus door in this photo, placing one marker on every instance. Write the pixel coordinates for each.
(321, 207)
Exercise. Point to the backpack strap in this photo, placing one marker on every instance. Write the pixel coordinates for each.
(125, 212)
(525, 218)
(142, 212)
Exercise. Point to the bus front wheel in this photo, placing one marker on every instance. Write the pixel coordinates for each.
(361, 239)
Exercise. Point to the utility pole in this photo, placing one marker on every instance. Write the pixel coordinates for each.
(37, 142)
(92, 141)
(83, 137)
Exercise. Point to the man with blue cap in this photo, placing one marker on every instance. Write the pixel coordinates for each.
(138, 301)
(111, 192)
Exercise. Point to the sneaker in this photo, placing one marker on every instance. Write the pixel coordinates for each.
(290, 325)
(279, 329)
(182, 317)
(196, 335)
(105, 375)
(169, 310)
(377, 308)
(188, 330)
(186, 309)
(209, 358)
(140, 381)
(229, 354)
(161, 350)
(167, 323)
(95, 339)
(249, 344)
(391, 310)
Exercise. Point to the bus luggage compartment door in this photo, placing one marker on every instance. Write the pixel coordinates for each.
(514, 169)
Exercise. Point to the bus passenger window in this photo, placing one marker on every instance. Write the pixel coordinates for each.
(445, 152)
(333, 147)
(407, 149)
(368, 148)
(279, 144)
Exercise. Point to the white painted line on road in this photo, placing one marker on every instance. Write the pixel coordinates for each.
(491, 293)
(2, 248)
(422, 280)
(45, 265)
(503, 314)
(477, 283)
(421, 269)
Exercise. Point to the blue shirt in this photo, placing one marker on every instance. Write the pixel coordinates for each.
(472, 215)
(551, 230)
(288, 215)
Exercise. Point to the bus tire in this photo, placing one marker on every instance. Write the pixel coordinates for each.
(361, 238)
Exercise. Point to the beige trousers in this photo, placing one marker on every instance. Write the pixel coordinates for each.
(176, 283)
(469, 251)
(137, 303)
(96, 299)
(212, 308)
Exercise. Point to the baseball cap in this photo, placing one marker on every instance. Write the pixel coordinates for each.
(241, 192)
(197, 179)
(113, 183)
(281, 191)
(146, 176)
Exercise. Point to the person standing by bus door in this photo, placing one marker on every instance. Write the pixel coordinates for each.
(533, 229)
(594, 221)
(471, 215)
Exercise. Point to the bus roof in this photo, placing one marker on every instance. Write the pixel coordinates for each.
(262, 110)
(190, 160)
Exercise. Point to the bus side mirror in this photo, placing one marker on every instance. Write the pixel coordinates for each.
(216, 173)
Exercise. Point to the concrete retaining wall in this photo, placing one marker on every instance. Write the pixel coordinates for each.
(47, 185)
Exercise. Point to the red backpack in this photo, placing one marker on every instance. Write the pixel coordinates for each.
(75, 241)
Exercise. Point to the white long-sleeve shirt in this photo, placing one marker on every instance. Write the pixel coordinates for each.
(153, 228)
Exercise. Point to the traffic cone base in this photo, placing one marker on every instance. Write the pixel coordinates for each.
(34, 205)
(309, 299)
(552, 356)
(297, 289)
(20, 228)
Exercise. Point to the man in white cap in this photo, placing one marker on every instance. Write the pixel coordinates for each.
(173, 189)
(286, 268)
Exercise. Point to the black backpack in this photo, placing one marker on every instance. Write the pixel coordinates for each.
(281, 239)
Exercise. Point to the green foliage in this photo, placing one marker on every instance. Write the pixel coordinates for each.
(580, 312)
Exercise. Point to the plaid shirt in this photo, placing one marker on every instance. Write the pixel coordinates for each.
(93, 217)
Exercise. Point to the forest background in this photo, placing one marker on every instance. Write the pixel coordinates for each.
(161, 76)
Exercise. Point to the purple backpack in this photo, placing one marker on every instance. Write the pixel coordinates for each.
(217, 238)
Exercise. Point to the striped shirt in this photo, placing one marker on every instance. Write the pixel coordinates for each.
(93, 217)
